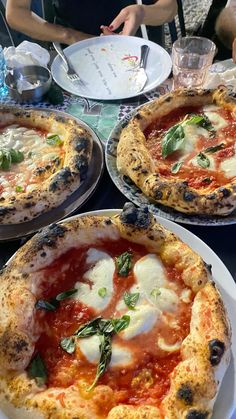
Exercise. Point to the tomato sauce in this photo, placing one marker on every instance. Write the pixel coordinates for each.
(196, 176)
(145, 381)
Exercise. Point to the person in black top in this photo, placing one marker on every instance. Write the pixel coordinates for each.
(81, 19)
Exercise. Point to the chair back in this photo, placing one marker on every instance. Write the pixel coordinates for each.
(172, 25)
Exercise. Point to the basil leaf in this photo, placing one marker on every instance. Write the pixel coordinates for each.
(68, 345)
(54, 139)
(172, 140)
(201, 120)
(207, 180)
(203, 160)
(102, 292)
(155, 292)
(105, 326)
(105, 358)
(121, 324)
(19, 188)
(214, 148)
(124, 263)
(37, 370)
(6, 160)
(45, 305)
(88, 329)
(16, 156)
(66, 294)
(176, 166)
(131, 299)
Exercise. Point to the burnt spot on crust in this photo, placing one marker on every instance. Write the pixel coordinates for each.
(29, 204)
(108, 222)
(40, 171)
(158, 194)
(81, 144)
(225, 192)
(168, 98)
(43, 254)
(20, 345)
(61, 178)
(197, 414)
(138, 167)
(81, 164)
(4, 211)
(188, 196)
(48, 236)
(138, 116)
(211, 196)
(217, 349)
(208, 267)
(138, 217)
(185, 393)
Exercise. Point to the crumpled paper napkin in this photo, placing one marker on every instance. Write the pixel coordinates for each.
(27, 53)
(217, 77)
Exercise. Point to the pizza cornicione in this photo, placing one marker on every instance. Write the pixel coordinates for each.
(180, 150)
(110, 317)
(44, 156)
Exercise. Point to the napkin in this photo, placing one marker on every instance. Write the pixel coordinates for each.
(27, 53)
(225, 78)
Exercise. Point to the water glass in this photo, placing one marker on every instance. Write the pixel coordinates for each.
(3, 87)
(192, 56)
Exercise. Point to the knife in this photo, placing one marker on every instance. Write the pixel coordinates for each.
(140, 74)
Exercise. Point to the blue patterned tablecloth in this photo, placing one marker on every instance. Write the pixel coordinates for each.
(100, 116)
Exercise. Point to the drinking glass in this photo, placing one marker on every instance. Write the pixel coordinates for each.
(192, 57)
(3, 87)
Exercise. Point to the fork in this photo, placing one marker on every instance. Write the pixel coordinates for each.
(71, 73)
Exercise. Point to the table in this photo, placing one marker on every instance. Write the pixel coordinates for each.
(102, 116)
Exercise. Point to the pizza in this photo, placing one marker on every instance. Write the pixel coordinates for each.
(44, 157)
(180, 150)
(110, 317)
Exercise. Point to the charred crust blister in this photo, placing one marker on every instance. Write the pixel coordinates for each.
(208, 267)
(81, 164)
(225, 192)
(138, 217)
(48, 236)
(188, 196)
(197, 414)
(81, 144)
(185, 394)
(63, 177)
(217, 349)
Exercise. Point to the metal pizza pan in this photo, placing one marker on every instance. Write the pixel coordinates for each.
(72, 203)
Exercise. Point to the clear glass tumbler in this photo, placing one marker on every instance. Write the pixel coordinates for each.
(192, 57)
(3, 87)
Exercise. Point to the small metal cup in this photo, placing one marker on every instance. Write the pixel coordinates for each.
(32, 74)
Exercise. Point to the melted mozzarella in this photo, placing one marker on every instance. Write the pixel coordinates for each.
(217, 121)
(165, 300)
(142, 319)
(228, 166)
(101, 276)
(36, 151)
(121, 357)
(192, 133)
(149, 272)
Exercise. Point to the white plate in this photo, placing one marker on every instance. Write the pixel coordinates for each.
(134, 194)
(226, 400)
(106, 65)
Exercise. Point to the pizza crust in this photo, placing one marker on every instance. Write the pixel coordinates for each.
(196, 379)
(60, 182)
(135, 161)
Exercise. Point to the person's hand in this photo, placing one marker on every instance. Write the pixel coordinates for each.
(131, 17)
(107, 31)
(234, 50)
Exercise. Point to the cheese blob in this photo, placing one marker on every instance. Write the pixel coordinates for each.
(228, 166)
(101, 277)
(142, 319)
(121, 356)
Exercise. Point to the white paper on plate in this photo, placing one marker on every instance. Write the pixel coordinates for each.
(221, 78)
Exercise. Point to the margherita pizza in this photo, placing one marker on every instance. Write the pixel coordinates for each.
(110, 317)
(43, 158)
(180, 150)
